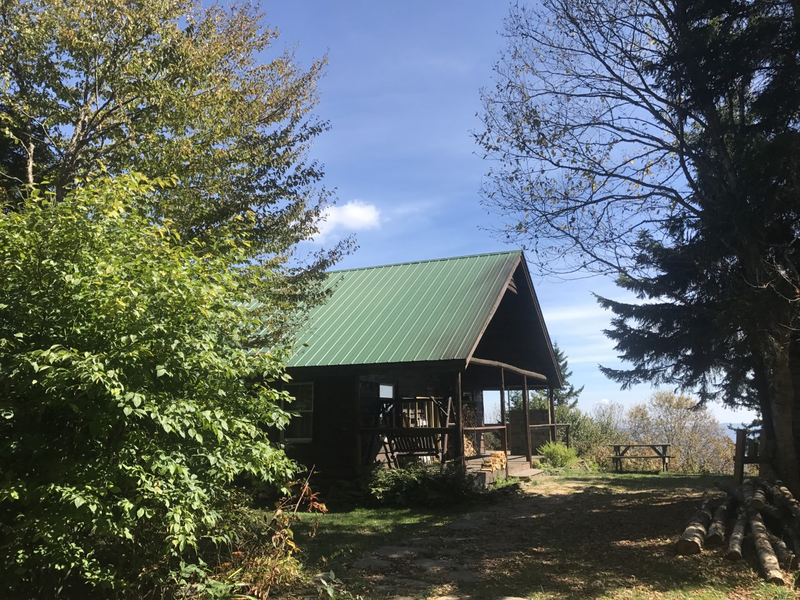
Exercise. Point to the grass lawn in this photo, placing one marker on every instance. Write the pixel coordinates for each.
(342, 536)
(601, 536)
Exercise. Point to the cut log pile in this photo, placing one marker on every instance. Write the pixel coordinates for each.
(496, 461)
(764, 512)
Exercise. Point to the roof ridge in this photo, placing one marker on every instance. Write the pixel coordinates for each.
(432, 260)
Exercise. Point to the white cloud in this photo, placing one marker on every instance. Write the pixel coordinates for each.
(349, 218)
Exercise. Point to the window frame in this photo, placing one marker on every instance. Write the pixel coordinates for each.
(302, 414)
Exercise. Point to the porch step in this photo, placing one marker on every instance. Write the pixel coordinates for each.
(527, 473)
(517, 464)
(483, 479)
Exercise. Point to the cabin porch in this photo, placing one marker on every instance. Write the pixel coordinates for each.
(516, 466)
(438, 429)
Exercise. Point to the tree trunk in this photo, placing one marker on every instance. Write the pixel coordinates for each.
(748, 488)
(781, 391)
(766, 555)
(785, 556)
(783, 498)
(691, 542)
(759, 499)
(786, 458)
(716, 533)
(737, 535)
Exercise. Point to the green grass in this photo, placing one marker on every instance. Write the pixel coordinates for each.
(601, 536)
(340, 536)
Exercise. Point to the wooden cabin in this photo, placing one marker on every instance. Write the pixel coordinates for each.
(393, 367)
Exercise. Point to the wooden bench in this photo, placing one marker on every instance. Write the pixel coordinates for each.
(417, 445)
(659, 453)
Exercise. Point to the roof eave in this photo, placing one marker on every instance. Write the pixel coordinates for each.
(542, 324)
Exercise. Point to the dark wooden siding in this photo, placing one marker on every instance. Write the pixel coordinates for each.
(332, 449)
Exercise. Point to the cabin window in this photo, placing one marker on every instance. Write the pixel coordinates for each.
(300, 428)
(386, 391)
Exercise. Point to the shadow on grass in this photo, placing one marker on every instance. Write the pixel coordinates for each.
(648, 480)
(613, 536)
(574, 536)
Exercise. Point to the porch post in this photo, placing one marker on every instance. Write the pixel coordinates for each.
(504, 431)
(552, 415)
(460, 404)
(526, 407)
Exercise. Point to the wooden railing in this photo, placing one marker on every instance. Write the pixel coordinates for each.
(423, 440)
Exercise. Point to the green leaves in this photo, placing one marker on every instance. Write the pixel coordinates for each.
(153, 181)
(128, 397)
(195, 98)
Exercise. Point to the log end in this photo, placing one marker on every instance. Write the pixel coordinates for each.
(684, 547)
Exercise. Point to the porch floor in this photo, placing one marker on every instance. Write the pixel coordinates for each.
(518, 466)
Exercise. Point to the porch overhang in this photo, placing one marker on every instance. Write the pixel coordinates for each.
(485, 362)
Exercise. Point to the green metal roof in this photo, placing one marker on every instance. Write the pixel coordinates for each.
(421, 311)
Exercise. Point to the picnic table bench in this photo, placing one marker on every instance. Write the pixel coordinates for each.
(659, 451)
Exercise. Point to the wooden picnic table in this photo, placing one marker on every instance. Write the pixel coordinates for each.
(660, 451)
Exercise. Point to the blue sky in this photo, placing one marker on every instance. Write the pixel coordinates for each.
(401, 92)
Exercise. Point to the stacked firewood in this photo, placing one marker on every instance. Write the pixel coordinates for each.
(470, 420)
(767, 512)
(496, 461)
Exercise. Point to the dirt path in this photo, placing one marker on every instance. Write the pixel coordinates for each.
(561, 538)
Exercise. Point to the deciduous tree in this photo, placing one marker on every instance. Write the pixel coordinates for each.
(653, 140)
(168, 88)
(699, 444)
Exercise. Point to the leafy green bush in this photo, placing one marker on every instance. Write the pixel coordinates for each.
(501, 482)
(421, 485)
(129, 400)
(591, 434)
(558, 455)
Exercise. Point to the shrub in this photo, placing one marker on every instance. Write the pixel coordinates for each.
(591, 434)
(506, 483)
(264, 557)
(421, 485)
(558, 455)
(699, 444)
(128, 397)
